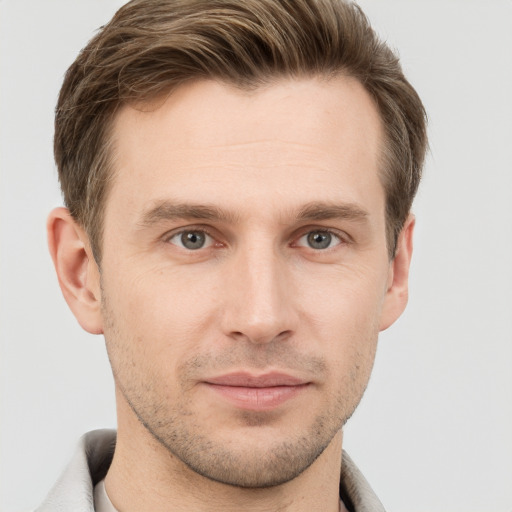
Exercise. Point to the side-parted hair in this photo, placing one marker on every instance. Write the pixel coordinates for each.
(152, 46)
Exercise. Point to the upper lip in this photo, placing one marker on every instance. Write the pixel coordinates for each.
(248, 380)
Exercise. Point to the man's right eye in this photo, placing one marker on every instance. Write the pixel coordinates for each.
(192, 240)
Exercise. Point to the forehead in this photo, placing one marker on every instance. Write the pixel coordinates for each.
(294, 136)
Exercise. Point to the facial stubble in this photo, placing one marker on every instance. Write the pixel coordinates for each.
(228, 459)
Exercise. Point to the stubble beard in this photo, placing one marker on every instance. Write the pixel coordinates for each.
(243, 466)
(177, 429)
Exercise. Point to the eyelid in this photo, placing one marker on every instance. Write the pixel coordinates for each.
(342, 236)
(167, 237)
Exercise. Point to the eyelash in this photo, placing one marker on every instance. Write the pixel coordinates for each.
(168, 238)
(343, 239)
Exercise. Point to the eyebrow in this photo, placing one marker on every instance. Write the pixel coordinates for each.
(168, 211)
(316, 211)
(326, 211)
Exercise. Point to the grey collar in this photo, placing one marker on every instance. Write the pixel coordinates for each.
(74, 491)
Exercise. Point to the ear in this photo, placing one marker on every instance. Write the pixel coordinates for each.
(397, 293)
(77, 271)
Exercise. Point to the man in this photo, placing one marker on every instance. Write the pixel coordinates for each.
(238, 178)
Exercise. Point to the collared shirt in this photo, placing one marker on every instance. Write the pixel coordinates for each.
(75, 490)
(102, 502)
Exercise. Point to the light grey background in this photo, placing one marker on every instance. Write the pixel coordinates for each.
(433, 432)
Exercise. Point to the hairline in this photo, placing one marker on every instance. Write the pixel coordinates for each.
(156, 100)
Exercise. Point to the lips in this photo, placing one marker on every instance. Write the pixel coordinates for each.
(242, 379)
(257, 392)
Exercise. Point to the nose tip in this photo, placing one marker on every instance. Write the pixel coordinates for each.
(259, 335)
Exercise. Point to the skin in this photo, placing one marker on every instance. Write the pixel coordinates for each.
(263, 176)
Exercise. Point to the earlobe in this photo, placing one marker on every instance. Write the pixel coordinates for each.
(76, 269)
(397, 293)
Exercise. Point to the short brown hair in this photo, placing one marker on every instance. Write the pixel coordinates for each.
(152, 46)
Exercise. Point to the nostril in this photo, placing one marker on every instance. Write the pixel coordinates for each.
(261, 338)
(282, 336)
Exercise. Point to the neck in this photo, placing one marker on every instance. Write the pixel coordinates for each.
(145, 476)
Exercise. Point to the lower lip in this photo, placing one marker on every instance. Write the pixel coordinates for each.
(257, 399)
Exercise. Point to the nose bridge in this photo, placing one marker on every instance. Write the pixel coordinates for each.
(259, 307)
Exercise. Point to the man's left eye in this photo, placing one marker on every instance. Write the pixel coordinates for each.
(319, 240)
(192, 240)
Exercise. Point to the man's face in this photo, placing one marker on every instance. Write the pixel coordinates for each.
(245, 271)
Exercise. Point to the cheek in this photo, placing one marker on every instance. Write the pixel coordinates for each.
(349, 344)
(158, 315)
(347, 299)
(343, 316)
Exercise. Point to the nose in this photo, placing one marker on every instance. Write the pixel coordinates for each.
(259, 297)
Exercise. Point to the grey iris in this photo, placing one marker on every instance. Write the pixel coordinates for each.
(319, 239)
(193, 239)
